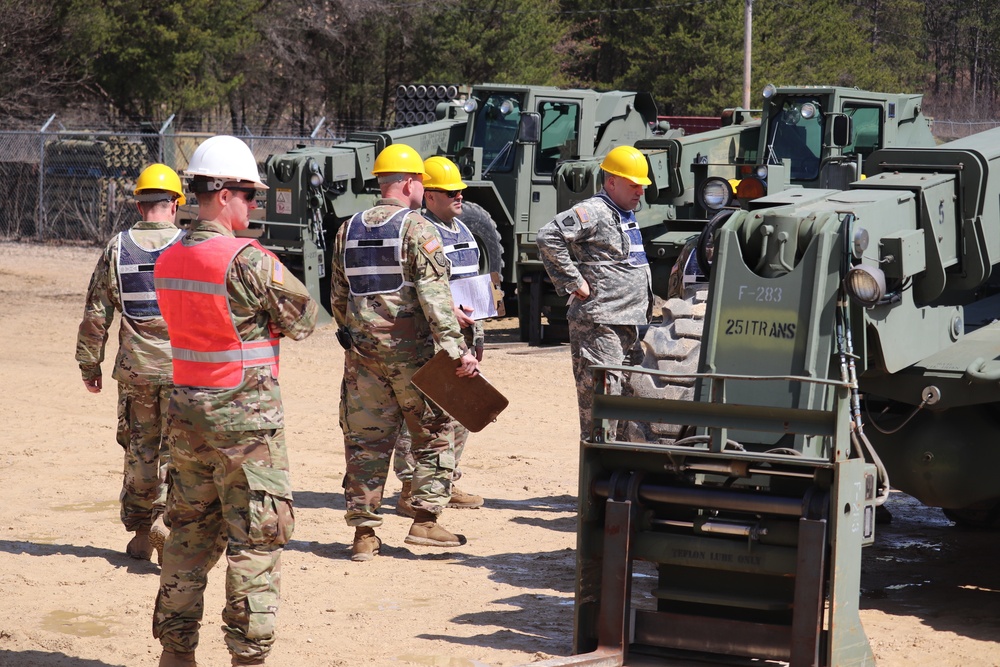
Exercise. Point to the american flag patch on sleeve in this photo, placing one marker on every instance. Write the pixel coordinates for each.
(277, 272)
(432, 246)
(581, 213)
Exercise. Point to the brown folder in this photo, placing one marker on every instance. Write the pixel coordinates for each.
(472, 401)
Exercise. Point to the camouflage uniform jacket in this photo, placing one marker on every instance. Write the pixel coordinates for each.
(474, 335)
(262, 295)
(587, 243)
(404, 322)
(143, 346)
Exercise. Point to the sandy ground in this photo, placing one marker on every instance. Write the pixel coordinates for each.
(931, 593)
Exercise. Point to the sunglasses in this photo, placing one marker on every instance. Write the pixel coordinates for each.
(249, 194)
(450, 194)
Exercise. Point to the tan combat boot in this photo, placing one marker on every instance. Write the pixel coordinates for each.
(139, 546)
(463, 500)
(241, 662)
(426, 532)
(158, 537)
(170, 659)
(404, 506)
(366, 545)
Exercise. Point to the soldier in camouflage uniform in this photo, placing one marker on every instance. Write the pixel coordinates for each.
(227, 302)
(123, 282)
(442, 205)
(390, 294)
(594, 253)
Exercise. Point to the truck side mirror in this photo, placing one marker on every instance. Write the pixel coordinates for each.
(529, 128)
(659, 173)
(842, 131)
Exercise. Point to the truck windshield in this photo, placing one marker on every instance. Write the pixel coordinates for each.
(796, 133)
(496, 129)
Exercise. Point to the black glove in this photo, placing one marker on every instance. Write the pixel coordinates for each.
(344, 338)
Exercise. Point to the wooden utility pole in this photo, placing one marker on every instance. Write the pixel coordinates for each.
(747, 34)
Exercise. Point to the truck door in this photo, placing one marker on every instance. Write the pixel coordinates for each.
(868, 122)
(560, 123)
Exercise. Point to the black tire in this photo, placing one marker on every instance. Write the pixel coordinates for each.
(484, 228)
(975, 518)
(674, 346)
(706, 240)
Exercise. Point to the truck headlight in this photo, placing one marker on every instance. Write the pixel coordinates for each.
(716, 193)
(865, 284)
(470, 105)
(761, 172)
(315, 175)
(808, 110)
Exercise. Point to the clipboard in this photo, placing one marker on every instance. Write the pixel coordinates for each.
(472, 401)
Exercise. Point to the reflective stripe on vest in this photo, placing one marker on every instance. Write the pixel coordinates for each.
(372, 257)
(460, 248)
(630, 227)
(135, 276)
(194, 299)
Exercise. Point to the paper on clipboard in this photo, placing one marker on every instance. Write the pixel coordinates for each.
(476, 293)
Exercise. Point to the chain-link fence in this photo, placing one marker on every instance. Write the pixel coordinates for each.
(948, 130)
(77, 185)
(72, 185)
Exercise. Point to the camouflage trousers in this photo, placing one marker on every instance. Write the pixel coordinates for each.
(377, 399)
(229, 492)
(597, 345)
(403, 462)
(141, 410)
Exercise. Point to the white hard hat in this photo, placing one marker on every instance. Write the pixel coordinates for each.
(225, 158)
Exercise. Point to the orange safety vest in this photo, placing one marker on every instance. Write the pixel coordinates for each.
(191, 290)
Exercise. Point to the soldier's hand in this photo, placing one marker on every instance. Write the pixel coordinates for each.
(462, 315)
(94, 386)
(468, 366)
(583, 291)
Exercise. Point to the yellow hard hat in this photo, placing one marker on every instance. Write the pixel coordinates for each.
(627, 162)
(442, 174)
(162, 181)
(398, 159)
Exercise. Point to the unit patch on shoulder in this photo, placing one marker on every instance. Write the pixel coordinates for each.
(431, 246)
(277, 272)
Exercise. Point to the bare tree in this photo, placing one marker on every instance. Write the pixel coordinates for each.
(36, 75)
